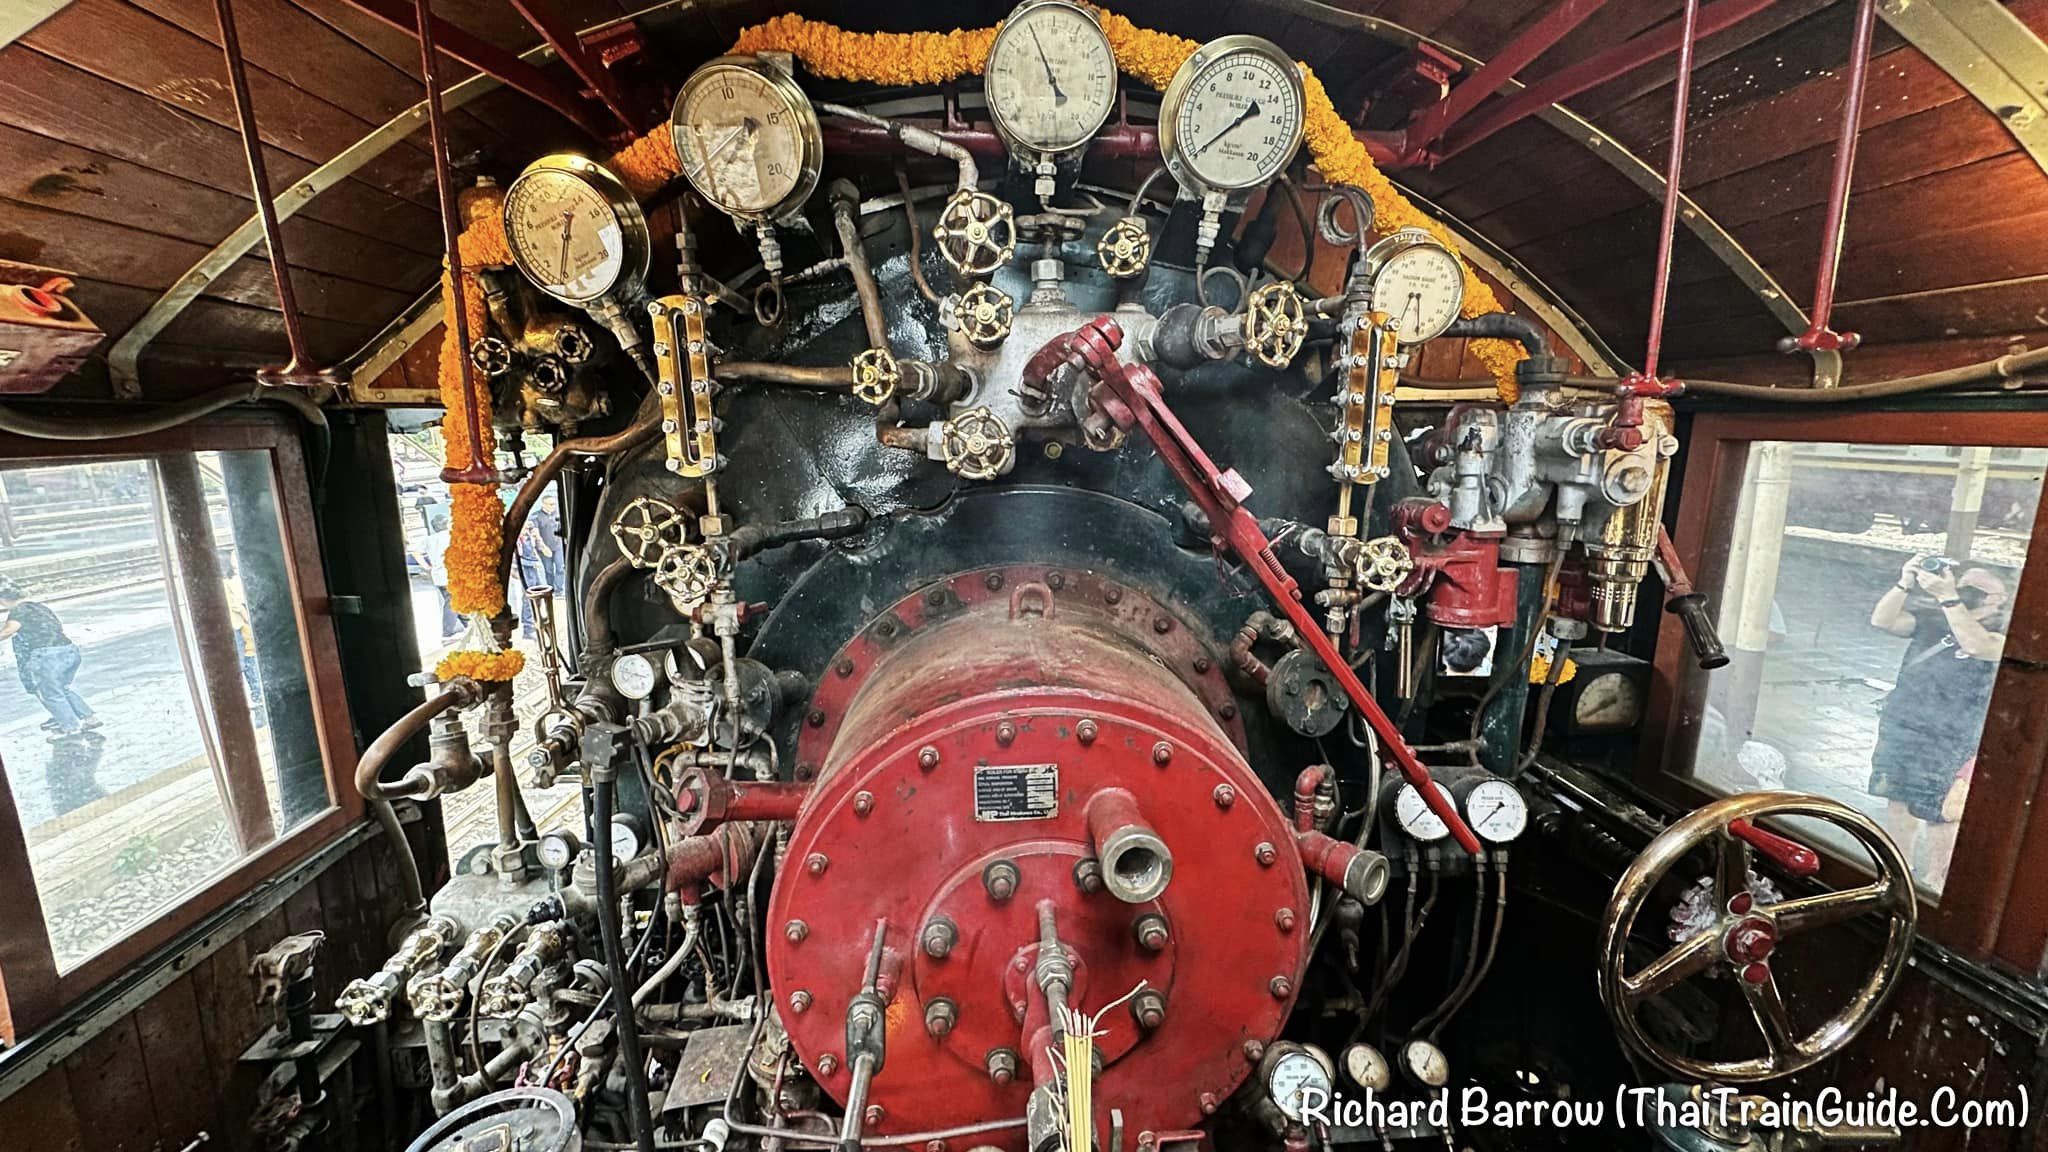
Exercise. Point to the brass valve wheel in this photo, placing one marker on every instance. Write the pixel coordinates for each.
(1383, 563)
(976, 233)
(1125, 249)
(1745, 933)
(490, 356)
(1275, 323)
(985, 314)
(688, 573)
(978, 445)
(875, 376)
(646, 528)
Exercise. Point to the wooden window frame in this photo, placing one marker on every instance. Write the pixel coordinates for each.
(35, 991)
(1984, 912)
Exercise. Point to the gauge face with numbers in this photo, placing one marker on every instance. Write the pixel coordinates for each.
(1051, 78)
(633, 675)
(1232, 118)
(574, 230)
(747, 137)
(1496, 811)
(1417, 818)
(1418, 283)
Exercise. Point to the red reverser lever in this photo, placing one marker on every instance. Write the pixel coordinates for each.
(1129, 395)
(1791, 855)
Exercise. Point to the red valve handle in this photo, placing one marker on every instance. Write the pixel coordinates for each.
(1133, 399)
(1791, 855)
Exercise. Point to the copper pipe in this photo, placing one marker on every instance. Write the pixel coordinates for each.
(836, 377)
(597, 627)
(480, 470)
(460, 692)
(1661, 288)
(845, 215)
(646, 426)
(266, 210)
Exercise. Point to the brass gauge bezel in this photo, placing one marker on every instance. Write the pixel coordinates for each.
(810, 135)
(1388, 247)
(1214, 54)
(1019, 145)
(636, 246)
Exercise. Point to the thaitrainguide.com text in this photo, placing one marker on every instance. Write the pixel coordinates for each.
(1474, 1107)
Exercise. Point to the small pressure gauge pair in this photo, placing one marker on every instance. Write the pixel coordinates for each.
(1493, 808)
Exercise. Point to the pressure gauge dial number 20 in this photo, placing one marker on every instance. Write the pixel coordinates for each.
(1417, 282)
(1233, 116)
(1051, 77)
(575, 231)
(747, 137)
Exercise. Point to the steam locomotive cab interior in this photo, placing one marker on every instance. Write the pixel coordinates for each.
(961, 577)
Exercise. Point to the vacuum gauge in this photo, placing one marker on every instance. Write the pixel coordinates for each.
(747, 137)
(1417, 282)
(575, 231)
(1299, 1079)
(1051, 77)
(1232, 117)
(1417, 818)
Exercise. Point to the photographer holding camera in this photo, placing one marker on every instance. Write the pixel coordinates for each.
(1953, 614)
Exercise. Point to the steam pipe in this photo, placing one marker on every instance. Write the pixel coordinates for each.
(615, 960)
(835, 377)
(1136, 863)
(728, 849)
(646, 426)
(846, 218)
(1503, 326)
(460, 692)
(925, 141)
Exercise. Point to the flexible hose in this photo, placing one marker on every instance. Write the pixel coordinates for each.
(668, 967)
(40, 427)
(408, 865)
(615, 961)
(1502, 326)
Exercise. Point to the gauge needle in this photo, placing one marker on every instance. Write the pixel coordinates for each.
(1250, 110)
(1058, 97)
(746, 128)
(1414, 305)
(568, 222)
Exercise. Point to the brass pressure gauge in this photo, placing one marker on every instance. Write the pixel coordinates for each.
(748, 138)
(1417, 282)
(1232, 118)
(576, 231)
(1050, 80)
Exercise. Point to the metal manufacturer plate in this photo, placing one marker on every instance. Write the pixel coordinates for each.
(1006, 792)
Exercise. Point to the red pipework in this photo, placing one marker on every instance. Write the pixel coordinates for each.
(1791, 855)
(1129, 395)
(1305, 785)
(586, 66)
(1467, 586)
(1819, 337)
(481, 469)
(299, 369)
(1592, 72)
(708, 798)
(719, 857)
(492, 61)
(1430, 123)
(1674, 169)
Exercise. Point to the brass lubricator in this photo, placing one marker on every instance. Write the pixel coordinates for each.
(1125, 249)
(976, 233)
(369, 1000)
(689, 430)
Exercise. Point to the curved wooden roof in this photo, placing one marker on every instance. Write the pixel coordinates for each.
(119, 162)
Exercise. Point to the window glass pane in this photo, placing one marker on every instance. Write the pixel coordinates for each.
(1864, 604)
(158, 723)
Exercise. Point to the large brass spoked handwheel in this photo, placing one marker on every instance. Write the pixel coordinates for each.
(1746, 933)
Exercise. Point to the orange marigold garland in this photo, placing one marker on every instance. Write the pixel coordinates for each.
(913, 58)
(476, 511)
